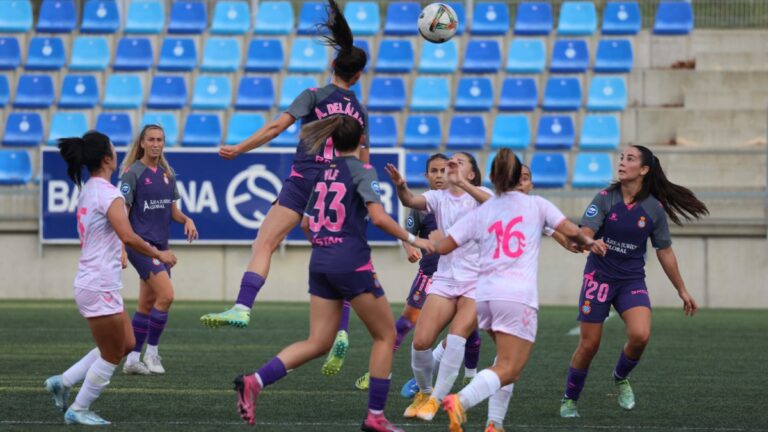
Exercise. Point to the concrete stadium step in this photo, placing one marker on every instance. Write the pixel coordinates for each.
(752, 99)
(668, 87)
(732, 61)
(729, 41)
(717, 128)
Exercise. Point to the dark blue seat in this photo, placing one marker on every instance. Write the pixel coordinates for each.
(386, 94)
(518, 94)
(5, 92)
(474, 94)
(145, 17)
(430, 93)
(382, 130)
(123, 91)
(16, 17)
(490, 19)
(188, 17)
(592, 170)
(212, 93)
(467, 132)
(100, 16)
(363, 17)
(165, 119)
(15, 167)
(24, 129)
(422, 132)
(600, 132)
(89, 53)
(178, 54)
(231, 18)
(265, 55)
(395, 56)
(242, 126)
(549, 170)
(555, 132)
(10, 53)
(614, 56)
(577, 18)
(79, 91)
(482, 56)
(45, 53)
(117, 126)
(57, 16)
(133, 54)
(167, 92)
(255, 93)
(533, 18)
(622, 18)
(66, 124)
(274, 18)
(34, 91)
(202, 130)
(402, 18)
(562, 94)
(311, 14)
(221, 54)
(570, 56)
(673, 18)
(415, 167)
(511, 131)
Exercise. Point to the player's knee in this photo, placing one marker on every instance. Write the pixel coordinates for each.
(421, 343)
(164, 301)
(639, 338)
(589, 347)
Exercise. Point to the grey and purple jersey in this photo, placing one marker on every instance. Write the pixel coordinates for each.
(421, 224)
(625, 229)
(338, 216)
(150, 193)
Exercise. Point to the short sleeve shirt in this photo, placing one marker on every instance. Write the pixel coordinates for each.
(150, 193)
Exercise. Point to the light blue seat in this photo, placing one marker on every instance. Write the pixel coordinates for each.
(15, 167)
(422, 131)
(363, 45)
(288, 138)
(10, 53)
(511, 131)
(168, 122)
(592, 170)
(461, 15)
(117, 126)
(474, 94)
(23, 129)
(467, 132)
(265, 55)
(533, 18)
(518, 94)
(100, 16)
(45, 53)
(382, 129)
(133, 54)
(607, 94)
(79, 91)
(145, 17)
(231, 18)
(89, 53)
(167, 92)
(415, 167)
(5, 92)
(622, 18)
(292, 87)
(555, 132)
(202, 130)
(402, 18)
(57, 16)
(439, 58)
(430, 94)
(600, 132)
(177, 54)
(274, 18)
(308, 55)
(577, 18)
(526, 56)
(673, 18)
(16, 17)
(549, 170)
(33, 91)
(242, 126)
(386, 94)
(482, 56)
(188, 17)
(311, 14)
(255, 93)
(614, 56)
(395, 56)
(123, 91)
(562, 94)
(212, 93)
(66, 124)
(363, 17)
(221, 55)
(570, 56)
(490, 19)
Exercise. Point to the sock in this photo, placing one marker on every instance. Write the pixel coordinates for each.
(624, 366)
(499, 403)
(485, 384)
(449, 365)
(472, 351)
(140, 328)
(96, 380)
(437, 355)
(151, 350)
(133, 357)
(77, 371)
(271, 371)
(422, 364)
(403, 327)
(344, 323)
(250, 285)
(157, 320)
(378, 388)
(575, 383)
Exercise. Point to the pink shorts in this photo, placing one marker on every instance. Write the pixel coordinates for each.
(452, 290)
(98, 303)
(508, 317)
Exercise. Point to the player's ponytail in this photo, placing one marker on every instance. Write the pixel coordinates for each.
(349, 59)
(506, 170)
(343, 132)
(88, 152)
(136, 152)
(478, 178)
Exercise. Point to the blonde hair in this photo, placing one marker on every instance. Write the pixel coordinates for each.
(136, 152)
(344, 130)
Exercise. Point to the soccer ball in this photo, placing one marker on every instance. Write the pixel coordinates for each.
(438, 22)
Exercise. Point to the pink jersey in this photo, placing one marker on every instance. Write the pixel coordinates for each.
(100, 267)
(508, 230)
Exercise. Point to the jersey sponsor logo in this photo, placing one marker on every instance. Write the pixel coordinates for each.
(250, 195)
(125, 188)
(641, 222)
(375, 187)
(409, 223)
(591, 211)
(586, 308)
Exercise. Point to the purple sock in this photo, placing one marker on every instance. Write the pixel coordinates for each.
(378, 388)
(403, 326)
(272, 371)
(140, 328)
(344, 323)
(157, 320)
(250, 285)
(472, 351)
(575, 382)
(624, 366)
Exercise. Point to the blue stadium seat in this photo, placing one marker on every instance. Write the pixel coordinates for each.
(265, 55)
(212, 93)
(430, 94)
(241, 126)
(15, 167)
(402, 18)
(577, 18)
(533, 18)
(607, 94)
(518, 94)
(562, 94)
(289, 137)
(474, 94)
(79, 91)
(274, 17)
(45, 53)
(422, 131)
(555, 132)
(614, 56)
(117, 126)
(188, 17)
(23, 129)
(100, 16)
(461, 15)
(10, 53)
(34, 91)
(5, 92)
(167, 121)
(145, 17)
(570, 56)
(311, 14)
(490, 19)
(395, 56)
(66, 124)
(382, 129)
(178, 54)
(386, 94)
(482, 56)
(549, 170)
(592, 170)
(221, 55)
(255, 93)
(16, 17)
(56, 16)
(467, 132)
(415, 167)
(202, 130)
(133, 54)
(439, 58)
(89, 53)
(673, 18)
(622, 18)
(512, 131)
(308, 55)
(526, 56)
(231, 18)
(363, 17)
(600, 132)
(123, 91)
(292, 86)
(167, 92)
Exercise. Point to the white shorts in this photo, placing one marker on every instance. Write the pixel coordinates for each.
(98, 303)
(452, 290)
(508, 317)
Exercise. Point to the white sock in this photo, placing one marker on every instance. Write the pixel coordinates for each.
(77, 371)
(449, 365)
(133, 357)
(151, 350)
(241, 307)
(470, 373)
(258, 378)
(485, 384)
(499, 403)
(421, 363)
(96, 380)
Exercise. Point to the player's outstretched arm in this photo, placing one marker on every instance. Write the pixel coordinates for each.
(576, 235)
(476, 192)
(443, 244)
(262, 136)
(118, 218)
(668, 262)
(383, 221)
(418, 202)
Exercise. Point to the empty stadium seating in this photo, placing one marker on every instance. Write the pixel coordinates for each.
(382, 130)
(402, 18)
(415, 167)
(430, 94)
(592, 170)
(117, 126)
(89, 53)
(599, 131)
(23, 129)
(16, 17)
(533, 18)
(614, 56)
(255, 93)
(621, 18)
(231, 18)
(221, 55)
(673, 18)
(607, 94)
(167, 120)
(5, 91)
(202, 130)
(264, 55)
(212, 93)
(67, 124)
(439, 58)
(133, 54)
(57, 16)
(100, 16)
(177, 54)
(577, 18)
(363, 17)
(310, 15)
(526, 56)
(482, 56)
(518, 94)
(555, 132)
(292, 86)
(490, 19)
(34, 91)
(274, 18)
(15, 167)
(386, 94)
(241, 126)
(549, 170)
(511, 130)
(123, 91)
(394, 56)
(422, 132)
(45, 53)
(474, 94)
(562, 94)
(167, 92)
(10, 53)
(79, 91)
(307, 55)
(569, 56)
(145, 17)
(467, 132)
(188, 17)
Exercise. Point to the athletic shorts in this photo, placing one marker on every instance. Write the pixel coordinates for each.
(509, 317)
(452, 290)
(144, 265)
(344, 286)
(295, 193)
(419, 290)
(598, 294)
(98, 303)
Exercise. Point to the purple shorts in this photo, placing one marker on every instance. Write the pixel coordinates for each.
(144, 265)
(598, 294)
(419, 290)
(296, 191)
(344, 286)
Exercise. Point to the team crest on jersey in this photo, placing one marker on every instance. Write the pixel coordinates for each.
(375, 187)
(155, 261)
(613, 217)
(416, 296)
(641, 222)
(124, 188)
(591, 211)
(586, 309)
(409, 223)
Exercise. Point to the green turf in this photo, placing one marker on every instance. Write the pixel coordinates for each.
(704, 373)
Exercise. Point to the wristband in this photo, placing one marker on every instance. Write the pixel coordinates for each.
(411, 239)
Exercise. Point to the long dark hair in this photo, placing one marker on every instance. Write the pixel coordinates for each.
(433, 157)
(349, 59)
(506, 170)
(478, 180)
(344, 131)
(86, 151)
